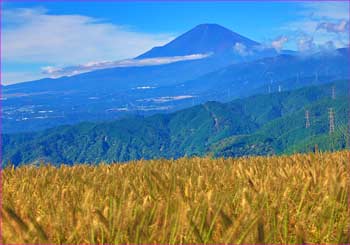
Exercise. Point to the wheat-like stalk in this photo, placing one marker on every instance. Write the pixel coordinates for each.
(301, 198)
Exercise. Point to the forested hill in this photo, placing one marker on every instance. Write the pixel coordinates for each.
(258, 125)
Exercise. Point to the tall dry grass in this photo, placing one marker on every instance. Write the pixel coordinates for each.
(289, 199)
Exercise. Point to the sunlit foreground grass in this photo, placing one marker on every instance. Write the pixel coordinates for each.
(292, 199)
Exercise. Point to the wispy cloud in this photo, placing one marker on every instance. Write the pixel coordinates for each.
(272, 44)
(279, 42)
(340, 27)
(241, 49)
(306, 44)
(325, 10)
(91, 66)
(34, 35)
(320, 25)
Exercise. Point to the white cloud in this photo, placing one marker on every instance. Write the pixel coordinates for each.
(328, 46)
(342, 26)
(34, 35)
(326, 10)
(91, 66)
(306, 44)
(241, 49)
(50, 70)
(279, 42)
(319, 25)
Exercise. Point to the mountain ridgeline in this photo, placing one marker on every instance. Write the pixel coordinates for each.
(208, 38)
(258, 125)
(229, 66)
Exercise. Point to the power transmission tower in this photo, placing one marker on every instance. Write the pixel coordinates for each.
(307, 119)
(333, 92)
(331, 120)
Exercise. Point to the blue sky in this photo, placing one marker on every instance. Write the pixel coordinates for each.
(39, 37)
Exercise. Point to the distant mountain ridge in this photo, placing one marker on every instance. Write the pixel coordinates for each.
(258, 125)
(284, 70)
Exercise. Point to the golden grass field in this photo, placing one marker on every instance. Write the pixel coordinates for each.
(288, 199)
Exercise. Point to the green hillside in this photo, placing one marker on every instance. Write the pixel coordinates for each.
(258, 125)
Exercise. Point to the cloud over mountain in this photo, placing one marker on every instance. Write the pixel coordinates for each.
(306, 44)
(279, 42)
(91, 66)
(241, 49)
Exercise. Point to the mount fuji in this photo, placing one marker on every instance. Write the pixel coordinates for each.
(209, 62)
(204, 38)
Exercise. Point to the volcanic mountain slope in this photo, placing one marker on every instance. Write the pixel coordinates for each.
(221, 72)
(204, 38)
(211, 39)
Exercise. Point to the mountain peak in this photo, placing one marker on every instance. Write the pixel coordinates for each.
(209, 25)
(213, 26)
(204, 38)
